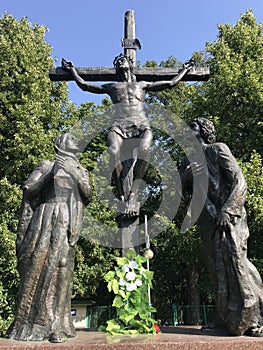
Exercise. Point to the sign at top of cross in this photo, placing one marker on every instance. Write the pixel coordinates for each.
(130, 44)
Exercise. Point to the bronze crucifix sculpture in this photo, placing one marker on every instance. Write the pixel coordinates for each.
(127, 91)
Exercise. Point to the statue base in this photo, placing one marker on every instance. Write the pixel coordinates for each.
(171, 338)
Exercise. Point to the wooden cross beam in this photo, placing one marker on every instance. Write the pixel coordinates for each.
(130, 44)
(147, 74)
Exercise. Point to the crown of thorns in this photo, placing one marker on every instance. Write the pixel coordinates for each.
(121, 55)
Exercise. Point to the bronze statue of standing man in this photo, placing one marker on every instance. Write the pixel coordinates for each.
(223, 227)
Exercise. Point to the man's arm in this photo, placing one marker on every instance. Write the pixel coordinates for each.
(94, 88)
(161, 85)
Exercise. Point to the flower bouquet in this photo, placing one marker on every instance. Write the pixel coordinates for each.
(130, 282)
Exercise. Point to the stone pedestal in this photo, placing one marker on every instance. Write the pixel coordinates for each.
(171, 338)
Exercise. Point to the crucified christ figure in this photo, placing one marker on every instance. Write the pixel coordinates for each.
(130, 121)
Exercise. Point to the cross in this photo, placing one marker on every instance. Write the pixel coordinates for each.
(130, 135)
(130, 44)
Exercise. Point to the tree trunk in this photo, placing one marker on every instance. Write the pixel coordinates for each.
(192, 312)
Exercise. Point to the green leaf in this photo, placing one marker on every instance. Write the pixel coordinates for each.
(122, 293)
(122, 261)
(140, 259)
(113, 326)
(129, 331)
(115, 286)
(141, 326)
(102, 329)
(152, 309)
(117, 302)
(135, 299)
(127, 317)
(109, 286)
(120, 273)
(133, 331)
(148, 275)
(131, 254)
(109, 276)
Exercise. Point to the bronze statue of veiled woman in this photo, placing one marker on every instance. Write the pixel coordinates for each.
(49, 227)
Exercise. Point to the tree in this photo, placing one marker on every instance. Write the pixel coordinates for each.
(233, 96)
(233, 99)
(30, 105)
(9, 201)
(253, 172)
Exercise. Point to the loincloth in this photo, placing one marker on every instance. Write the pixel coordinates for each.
(133, 127)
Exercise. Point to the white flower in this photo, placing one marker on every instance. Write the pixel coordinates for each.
(126, 268)
(130, 287)
(130, 276)
(138, 282)
(133, 264)
(122, 282)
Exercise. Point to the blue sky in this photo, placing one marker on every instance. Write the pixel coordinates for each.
(89, 32)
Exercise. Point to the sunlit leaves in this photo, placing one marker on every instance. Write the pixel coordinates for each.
(31, 105)
(234, 93)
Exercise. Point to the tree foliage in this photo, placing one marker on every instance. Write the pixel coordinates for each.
(233, 96)
(30, 104)
(233, 99)
(10, 195)
(253, 172)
